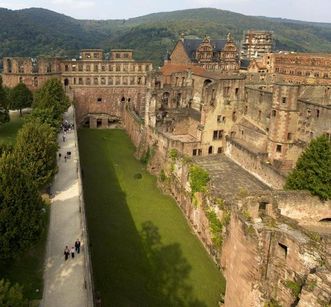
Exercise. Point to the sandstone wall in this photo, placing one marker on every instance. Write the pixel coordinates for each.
(255, 165)
(303, 207)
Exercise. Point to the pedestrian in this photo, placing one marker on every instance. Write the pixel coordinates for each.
(63, 138)
(72, 251)
(66, 253)
(60, 156)
(65, 158)
(77, 246)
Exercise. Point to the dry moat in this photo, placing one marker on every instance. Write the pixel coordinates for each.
(143, 251)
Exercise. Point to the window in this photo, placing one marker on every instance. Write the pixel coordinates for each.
(237, 91)
(103, 68)
(195, 151)
(274, 113)
(103, 81)
(279, 148)
(110, 81)
(73, 67)
(126, 55)
(226, 91)
(317, 113)
(118, 67)
(283, 99)
(96, 81)
(259, 116)
(282, 250)
(99, 99)
(245, 110)
(96, 67)
(118, 55)
(88, 68)
(80, 67)
(219, 150)
(88, 81)
(80, 81)
(219, 118)
(139, 80)
(210, 150)
(66, 68)
(218, 134)
(289, 136)
(234, 116)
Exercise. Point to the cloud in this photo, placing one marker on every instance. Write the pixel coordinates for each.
(77, 4)
(14, 5)
(205, 3)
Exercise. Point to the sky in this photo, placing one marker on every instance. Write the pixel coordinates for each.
(308, 10)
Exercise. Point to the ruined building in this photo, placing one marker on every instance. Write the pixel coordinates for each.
(246, 129)
(293, 67)
(256, 44)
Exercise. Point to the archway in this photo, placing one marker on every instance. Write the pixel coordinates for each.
(325, 220)
(210, 150)
(66, 82)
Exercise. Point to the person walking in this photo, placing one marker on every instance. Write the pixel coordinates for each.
(77, 246)
(65, 158)
(60, 155)
(63, 138)
(66, 253)
(72, 251)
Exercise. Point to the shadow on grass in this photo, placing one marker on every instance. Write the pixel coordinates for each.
(130, 268)
(168, 270)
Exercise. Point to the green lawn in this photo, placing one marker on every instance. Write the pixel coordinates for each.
(143, 251)
(9, 130)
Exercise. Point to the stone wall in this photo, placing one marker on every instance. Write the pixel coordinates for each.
(254, 164)
(106, 100)
(302, 207)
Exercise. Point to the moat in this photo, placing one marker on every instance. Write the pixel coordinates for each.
(143, 251)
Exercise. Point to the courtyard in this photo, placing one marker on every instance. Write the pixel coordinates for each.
(143, 251)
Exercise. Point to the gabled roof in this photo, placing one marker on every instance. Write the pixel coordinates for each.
(191, 45)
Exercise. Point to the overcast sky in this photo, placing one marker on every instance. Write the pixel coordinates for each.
(309, 10)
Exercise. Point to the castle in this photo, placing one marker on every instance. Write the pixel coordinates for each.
(238, 124)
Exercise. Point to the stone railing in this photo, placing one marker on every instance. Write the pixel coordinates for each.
(88, 272)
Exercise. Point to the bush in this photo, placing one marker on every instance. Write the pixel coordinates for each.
(11, 295)
(198, 179)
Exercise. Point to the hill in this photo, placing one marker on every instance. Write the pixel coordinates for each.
(32, 32)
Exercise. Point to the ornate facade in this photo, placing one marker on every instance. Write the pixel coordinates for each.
(292, 67)
(212, 55)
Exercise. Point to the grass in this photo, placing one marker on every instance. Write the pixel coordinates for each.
(9, 130)
(28, 268)
(143, 251)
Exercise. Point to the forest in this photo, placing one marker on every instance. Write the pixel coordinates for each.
(40, 32)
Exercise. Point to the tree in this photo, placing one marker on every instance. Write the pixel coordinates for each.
(36, 148)
(11, 295)
(313, 169)
(20, 97)
(52, 96)
(4, 115)
(21, 208)
(46, 116)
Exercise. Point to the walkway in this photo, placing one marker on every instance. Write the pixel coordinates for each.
(65, 280)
